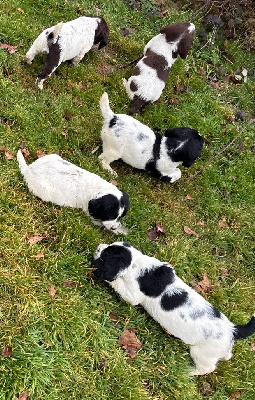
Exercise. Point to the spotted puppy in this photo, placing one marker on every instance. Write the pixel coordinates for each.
(150, 74)
(67, 41)
(140, 279)
(136, 144)
(53, 179)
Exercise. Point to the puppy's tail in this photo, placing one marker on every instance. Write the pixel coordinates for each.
(53, 36)
(106, 111)
(22, 162)
(243, 331)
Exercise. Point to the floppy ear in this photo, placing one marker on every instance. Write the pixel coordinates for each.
(101, 34)
(174, 32)
(124, 202)
(104, 208)
(112, 262)
(185, 44)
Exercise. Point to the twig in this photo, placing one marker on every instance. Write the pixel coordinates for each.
(199, 10)
(220, 152)
(129, 63)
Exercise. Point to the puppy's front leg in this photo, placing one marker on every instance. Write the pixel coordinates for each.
(175, 175)
(125, 291)
(106, 164)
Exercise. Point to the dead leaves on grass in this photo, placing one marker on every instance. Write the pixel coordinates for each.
(156, 231)
(6, 46)
(190, 231)
(22, 396)
(32, 239)
(203, 286)
(129, 342)
(7, 153)
(7, 351)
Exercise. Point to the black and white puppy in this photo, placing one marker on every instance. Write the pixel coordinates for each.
(150, 74)
(67, 41)
(140, 279)
(136, 144)
(53, 179)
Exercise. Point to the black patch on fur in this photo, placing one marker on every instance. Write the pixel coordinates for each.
(136, 104)
(104, 208)
(141, 136)
(197, 314)
(170, 302)
(133, 86)
(51, 61)
(113, 259)
(124, 203)
(157, 62)
(50, 36)
(177, 31)
(151, 164)
(174, 54)
(113, 121)
(216, 312)
(136, 71)
(188, 153)
(101, 33)
(244, 331)
(126, 244)
(154, 282)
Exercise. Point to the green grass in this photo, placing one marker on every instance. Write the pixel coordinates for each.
(58, 343)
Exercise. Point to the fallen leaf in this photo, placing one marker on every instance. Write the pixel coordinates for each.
(203, 286)
(39, 153)
(215, 85)
(129, 342)
(115, 183)
(26, 152)
(68, 115)
(8, 155)
(201, 71)
(68, 284)
(205, 389)
(52, 291)
(39, 255)
(222, 223)
(114, 318)
(188, 197)
(79, 102)
(174, 100)
(32, 239)
(20, 10)
(158, 230)
(224, 272)
(124, 31)
(64, 133)
(102, 364)
(190, 231)
(163, 13)
(11, 49)
(235, 395)
(201, 223)
(253, 346)
(22, 396)
(81, 86)
(7, 351)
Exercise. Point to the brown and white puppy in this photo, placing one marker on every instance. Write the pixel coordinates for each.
(67, 41)
(150, 74)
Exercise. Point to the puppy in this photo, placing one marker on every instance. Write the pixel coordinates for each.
(144, 280)
(67, 41)
(53, 179)
(136, 144)
(151, 73)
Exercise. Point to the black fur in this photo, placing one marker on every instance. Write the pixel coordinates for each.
(113, 121)
(124, 203)
(104, 208)
(51, 61)
(151, 164)
(170, 302)
(243, 331)
(111, 262)
(187, 153)
(101, 34)
(136, 104)
(177, 31)
(154, 282)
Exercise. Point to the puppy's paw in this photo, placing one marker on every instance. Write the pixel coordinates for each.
(28, 60)
(39, 83)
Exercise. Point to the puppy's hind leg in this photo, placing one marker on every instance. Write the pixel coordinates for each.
(204, 359)
(79, 57)
(106, 161)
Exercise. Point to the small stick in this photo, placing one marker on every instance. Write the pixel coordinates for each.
(129, 63)
(199, 10)
(220, 152)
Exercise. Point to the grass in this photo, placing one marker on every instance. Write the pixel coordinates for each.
(58, 344)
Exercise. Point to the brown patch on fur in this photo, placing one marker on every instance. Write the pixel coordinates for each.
(158, 63)
(136, 104)
(136, 71)
(101, 34)
(174, 32)
(133, 86)
(51, 61)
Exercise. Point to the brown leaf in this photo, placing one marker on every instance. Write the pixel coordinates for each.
(22, 396)
(162, 13)
(20, 10)
(69, 284)
(102, 364)
(201, 223)
(11, 49)
(124, 31)
(253, 346)
(32, 239)
(190, 231)
(158, 230)
(115, 183)
(129, 342)
(203, 286)
(174, 100)
(205, 389)
(39, 153)
(114, 318)
(52, 291)
(222, 223)
(39, 255)
(79, 102)
(81, 86)
(64, 133)
(26, 152)
(188, 197)
(8, 155)
(215, 85)
(7, 351)
(201, 71)
(235, 395)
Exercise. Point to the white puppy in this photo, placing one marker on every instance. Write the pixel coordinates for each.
(53, 179)
(67, 41)
(140, 279)
(150, 74)
(136, 144)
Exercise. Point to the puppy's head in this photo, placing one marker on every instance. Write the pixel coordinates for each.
(111, 261)
(101, 34)
(183, 34)
(109, 209)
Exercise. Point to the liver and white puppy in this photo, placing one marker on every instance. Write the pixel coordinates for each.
(150, 74)
(136, 144)
(67, 41)
(140, 279)
(53, 179)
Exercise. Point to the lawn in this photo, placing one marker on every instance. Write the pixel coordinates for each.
(59, 325)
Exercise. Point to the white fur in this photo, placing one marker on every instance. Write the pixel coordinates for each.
(121, 141)
(60, 182)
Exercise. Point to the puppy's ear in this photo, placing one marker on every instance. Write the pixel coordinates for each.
(105, 208)
(124, 202)
(185, 44)
(101, 34)
(112, 262)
